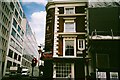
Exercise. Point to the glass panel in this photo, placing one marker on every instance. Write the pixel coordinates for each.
(114, 76)
(13, 33)
(19, 58)
(81, 44)
(69, 27)
(15, 56)
(12, 5)
(12, 43)
(10, 53)
(19, 28)
(21, 13)
(9, 64)
(63, 70)
(16, 13)
(69, 10)
(14, 23)
(14, 64)
(69, 47)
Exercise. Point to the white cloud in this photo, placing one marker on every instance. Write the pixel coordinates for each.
(44, 2)
(37, 23)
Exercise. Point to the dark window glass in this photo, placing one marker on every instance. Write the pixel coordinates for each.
(10, 53)
(18, 65)
(19, 58)
(12, 5)
(19, 28)
(13, 33)
(21, 13)
(15, 56)
(14, 23)
(69, 48)
(14, 64)
(16, 13)
(9, 64)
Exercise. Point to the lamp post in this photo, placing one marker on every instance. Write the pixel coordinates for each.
(40, 51)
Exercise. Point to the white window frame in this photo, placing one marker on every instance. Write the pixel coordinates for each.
(83, 42)
(55, 70)
(64, 39)
(65, 12)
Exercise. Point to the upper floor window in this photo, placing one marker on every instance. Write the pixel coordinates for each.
(14, 23)
(13, 33)
(18, 29)
(69, 10)
(21, 13)
(10, 54)
(69, 47)
(19, 58)
(15, 56)
(16, 13)
(12, 5)
(12, 42)
(81, 44)
(69, 27)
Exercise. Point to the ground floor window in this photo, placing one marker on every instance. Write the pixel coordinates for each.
(63, 70)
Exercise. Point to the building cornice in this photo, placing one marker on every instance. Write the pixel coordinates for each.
(64, 3)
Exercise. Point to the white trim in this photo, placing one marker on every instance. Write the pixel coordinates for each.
(64, 46)
(55, 46)
(72, 71)
(82, 43)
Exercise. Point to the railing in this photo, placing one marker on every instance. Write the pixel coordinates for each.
(103, 35)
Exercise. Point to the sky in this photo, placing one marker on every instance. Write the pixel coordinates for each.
(36, 15)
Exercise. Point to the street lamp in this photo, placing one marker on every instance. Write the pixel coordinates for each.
(40, 52)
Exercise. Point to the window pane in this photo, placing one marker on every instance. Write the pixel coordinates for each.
(19, 58)
(69, 27)
(69, 48)
(63, 70)
(69, 10)
(21, 13)
(9, 64)
(10, 53)
(14, 64)
(12, 5)
(16, 13)
(81, 44)
(14, 23)
(15, 56)
(19, 28)
(13, 33)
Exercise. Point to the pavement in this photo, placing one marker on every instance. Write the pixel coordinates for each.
(21, 78)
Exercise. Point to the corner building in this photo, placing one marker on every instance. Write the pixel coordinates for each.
(65, 39)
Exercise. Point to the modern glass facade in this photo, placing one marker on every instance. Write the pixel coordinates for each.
(17, 42)
(30, 47)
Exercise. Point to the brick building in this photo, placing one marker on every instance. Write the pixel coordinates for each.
(65, 39)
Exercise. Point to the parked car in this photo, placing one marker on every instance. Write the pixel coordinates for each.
(25, 72)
